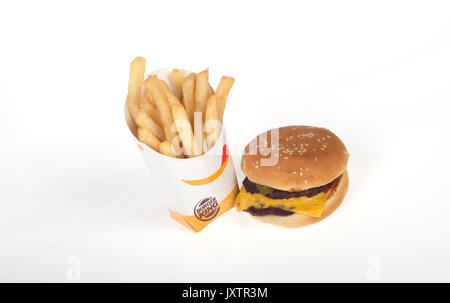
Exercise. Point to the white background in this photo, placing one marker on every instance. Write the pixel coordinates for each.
(77, 202)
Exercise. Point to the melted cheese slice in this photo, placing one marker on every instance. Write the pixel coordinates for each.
(303, 205)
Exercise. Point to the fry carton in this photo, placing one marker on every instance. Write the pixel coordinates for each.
(201, 188)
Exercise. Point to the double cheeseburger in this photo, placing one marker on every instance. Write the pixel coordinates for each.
(294, 181)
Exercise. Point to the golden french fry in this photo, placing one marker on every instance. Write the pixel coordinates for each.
(198, 134)
(151, 110)
(144, 120)
(189, 95)
(148, 97)
(212, 126)
(166, 148)
(169, 94)
(211, 109)
(162, 104)
(222, 92)
(202, 91)
(137, 70)
(164, 84)
(177, 80)
(184, 128)
(133, 109)
(146, 136)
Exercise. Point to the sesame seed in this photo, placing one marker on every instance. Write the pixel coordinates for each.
(294, 172)
(316, 159)
(306, 181)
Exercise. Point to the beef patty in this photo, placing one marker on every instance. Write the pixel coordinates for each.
(268, 211)
(252, 188)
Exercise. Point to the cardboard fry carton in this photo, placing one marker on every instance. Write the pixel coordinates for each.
(201, 188)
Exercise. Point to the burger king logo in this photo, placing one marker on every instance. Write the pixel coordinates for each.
(207, 209)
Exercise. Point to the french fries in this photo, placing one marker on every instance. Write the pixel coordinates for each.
(148, 97)
(202, 91)
(222, 92)
(151, 110)
(158, 95)
(198, 134)
(171, 121)
(170, 96)
(165, 148)
(137, 70)
(145, 121)
(184, 128)
(188, 88)
(145, 135)
(177, 80)
(212, 125)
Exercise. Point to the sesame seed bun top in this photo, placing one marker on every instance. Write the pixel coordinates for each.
(308, 157)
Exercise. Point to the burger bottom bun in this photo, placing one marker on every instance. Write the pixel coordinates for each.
(298, 220)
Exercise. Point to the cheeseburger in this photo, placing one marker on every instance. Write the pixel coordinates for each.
(295, 176)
